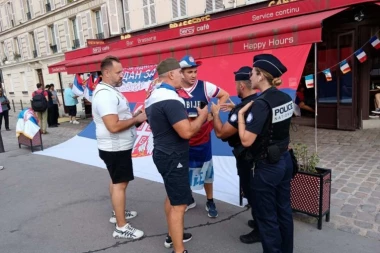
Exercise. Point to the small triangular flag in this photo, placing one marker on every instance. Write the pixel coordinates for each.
(328, 75)
(375, 42)
(361, 55)
(309, 81)
(344, 67)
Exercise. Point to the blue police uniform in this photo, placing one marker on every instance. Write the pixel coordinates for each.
(270, 118)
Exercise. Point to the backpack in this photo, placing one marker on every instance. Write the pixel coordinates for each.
(39, 102)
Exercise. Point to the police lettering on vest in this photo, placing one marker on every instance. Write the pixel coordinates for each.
(277, 126)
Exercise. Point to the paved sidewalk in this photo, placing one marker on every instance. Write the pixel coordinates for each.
(354, 160)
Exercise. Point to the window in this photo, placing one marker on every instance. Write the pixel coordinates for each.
(75, 32)
(17, 49)
(214, 5)
(149, 12)
(5, 50)
(34, 44)
(127, 21)
(179, 8)
(29, 13)
(99, 25)
(11, 14)
(53, 36)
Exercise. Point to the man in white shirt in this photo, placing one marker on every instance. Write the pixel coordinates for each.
(116, 134)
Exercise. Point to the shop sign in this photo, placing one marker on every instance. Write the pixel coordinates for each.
(192, 21)
(91, 42)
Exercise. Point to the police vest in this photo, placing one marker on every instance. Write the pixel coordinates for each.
(198, 96)
(276, 128)
(234, 140)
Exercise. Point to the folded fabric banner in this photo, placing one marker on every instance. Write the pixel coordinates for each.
(90, 86)
(27, 124)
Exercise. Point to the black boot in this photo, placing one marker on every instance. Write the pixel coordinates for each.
(250, 238)
(251, 224)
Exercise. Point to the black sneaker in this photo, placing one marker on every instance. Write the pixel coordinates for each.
(251, 224)
(169, 243)
(250, 238)
(185, 251)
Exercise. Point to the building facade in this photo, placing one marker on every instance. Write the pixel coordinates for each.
(36, 33)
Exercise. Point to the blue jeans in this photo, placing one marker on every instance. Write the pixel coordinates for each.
(270, 189)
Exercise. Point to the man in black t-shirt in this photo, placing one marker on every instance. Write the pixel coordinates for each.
(50, 117)
(171, 131)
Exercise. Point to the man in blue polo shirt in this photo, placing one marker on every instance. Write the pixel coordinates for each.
(171, 131)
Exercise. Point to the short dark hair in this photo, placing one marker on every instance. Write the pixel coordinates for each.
(39, 85)
(52, 84)
(47, 86)
(108, 62)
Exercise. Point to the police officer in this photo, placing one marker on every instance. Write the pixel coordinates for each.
(229, 132)
(265, 131)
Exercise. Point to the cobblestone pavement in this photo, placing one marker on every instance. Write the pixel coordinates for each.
(352, 156)
(354, 160)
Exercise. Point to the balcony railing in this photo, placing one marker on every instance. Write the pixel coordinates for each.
(29, 15)
(54, 48)
(100, 36)
(35, 53)
(76, 44)
(48, 7)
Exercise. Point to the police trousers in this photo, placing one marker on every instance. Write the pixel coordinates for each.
(270, 189)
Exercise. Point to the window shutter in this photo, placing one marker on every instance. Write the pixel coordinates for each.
(22, 10)
(126, 15)
(31, 8)
(209, 5)
(20, 47)
(47, 44)
(80, 30)
(112, 12)
(12, 12)
(106, 29)
(175, 8)
(37, 42)
(52, 4)
(89, 25)
(6, 17)
(29, 45)
(219, 4)
(57, 38)
(63, 2)
(152, 14)
(42, 6)
(183, 8)
(146, 15)
(67, 32)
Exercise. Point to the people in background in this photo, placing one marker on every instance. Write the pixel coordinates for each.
(300, 99)
(115, 135)
(56, 105)
(4, 114)
(50, 107)
(71, 101)
(40, 106)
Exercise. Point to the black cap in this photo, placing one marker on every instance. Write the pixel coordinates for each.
(270, 64)
(243, 74)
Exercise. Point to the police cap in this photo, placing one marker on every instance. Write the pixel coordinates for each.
(270, 64)
(243, 74)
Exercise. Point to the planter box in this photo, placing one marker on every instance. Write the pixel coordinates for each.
(36, 142)
(311, 194)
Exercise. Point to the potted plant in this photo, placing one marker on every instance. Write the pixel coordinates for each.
(311, 186)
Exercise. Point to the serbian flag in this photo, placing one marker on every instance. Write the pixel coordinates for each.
(361, 55)
(344, 67)
(27, 124)
(91, 84)
(78, 89)
(375, 42)
(309, 81)
(328, 75)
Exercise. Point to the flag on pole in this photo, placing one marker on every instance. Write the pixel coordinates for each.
(78, 89)
(344, 67)
(309, 81)
(375, 42)
(328, 75)
(361, 55)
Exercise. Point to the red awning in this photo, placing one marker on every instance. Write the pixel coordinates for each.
(264, 36)
(58, 67)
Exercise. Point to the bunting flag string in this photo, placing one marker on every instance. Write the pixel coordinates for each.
(344, 65)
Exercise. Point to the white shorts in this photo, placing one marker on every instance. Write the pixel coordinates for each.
(201, 175)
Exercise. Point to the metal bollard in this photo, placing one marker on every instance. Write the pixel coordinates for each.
(13, 103)
(22, 108)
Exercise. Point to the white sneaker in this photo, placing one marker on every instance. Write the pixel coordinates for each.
(71, 121)
(128, 215)
(192, 205)
(75, 122)
(127, 232)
